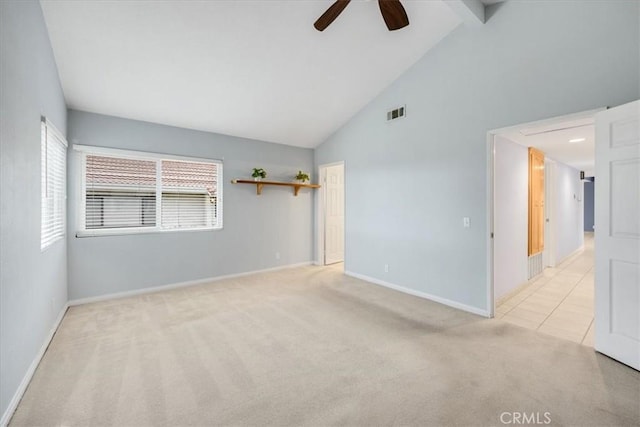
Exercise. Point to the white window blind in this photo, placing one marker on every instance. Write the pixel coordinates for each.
(138, 192)
(53, 189)
(189, 194)
(120, 193)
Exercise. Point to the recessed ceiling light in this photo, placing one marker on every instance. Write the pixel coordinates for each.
(577, 140)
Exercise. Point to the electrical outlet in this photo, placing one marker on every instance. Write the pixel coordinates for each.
(277, 255)
(466, 222)
(386, 268)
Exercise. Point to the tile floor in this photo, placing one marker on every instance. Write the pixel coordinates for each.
(559, 301)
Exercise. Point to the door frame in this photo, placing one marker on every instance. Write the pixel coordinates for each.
(320, 210)
(490, 186)
(549, 251)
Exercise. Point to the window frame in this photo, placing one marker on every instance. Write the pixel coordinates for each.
(47, 127)
(87, 150)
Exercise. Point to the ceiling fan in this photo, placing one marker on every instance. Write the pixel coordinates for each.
(392, 11)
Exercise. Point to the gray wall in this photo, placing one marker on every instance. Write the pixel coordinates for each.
(255, 227)
(33, 284)
(410, 183)
(589, 199)
(568, 211)
(511, 216)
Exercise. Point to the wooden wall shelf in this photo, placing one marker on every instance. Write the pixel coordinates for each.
(259, 184)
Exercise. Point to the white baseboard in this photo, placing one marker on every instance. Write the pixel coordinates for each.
(154, 289)
(514, 291)
(17, 396)
(424, 295)
(581, 248)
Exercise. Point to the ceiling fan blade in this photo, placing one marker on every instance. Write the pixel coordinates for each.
(394, 14)
(330, 14)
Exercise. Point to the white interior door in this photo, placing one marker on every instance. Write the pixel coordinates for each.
(617, 234)
(334, 214)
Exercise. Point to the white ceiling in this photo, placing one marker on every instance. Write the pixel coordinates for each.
(255, 69)
(553, 139)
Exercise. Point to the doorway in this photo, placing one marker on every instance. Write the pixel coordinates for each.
(331, 215)
(550, 291)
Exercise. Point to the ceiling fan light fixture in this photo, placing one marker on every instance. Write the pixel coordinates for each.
(393, 13)
(330, 14)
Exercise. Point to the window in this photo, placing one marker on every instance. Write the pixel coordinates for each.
(120, 193)
(189, 196)
(53, 188)
(137, 192)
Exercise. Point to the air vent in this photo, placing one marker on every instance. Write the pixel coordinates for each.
(396, 113)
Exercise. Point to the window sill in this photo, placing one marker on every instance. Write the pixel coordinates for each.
(125, 232)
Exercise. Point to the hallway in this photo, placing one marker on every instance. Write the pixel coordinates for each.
(559, 301)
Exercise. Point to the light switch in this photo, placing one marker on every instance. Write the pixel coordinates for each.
(466, 222)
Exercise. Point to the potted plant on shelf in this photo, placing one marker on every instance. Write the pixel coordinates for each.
(302, 177)
(258, 174)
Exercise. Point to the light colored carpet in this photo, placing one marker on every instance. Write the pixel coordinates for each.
(310, 346)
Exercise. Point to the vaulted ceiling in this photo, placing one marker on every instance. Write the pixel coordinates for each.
(254, 69)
